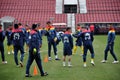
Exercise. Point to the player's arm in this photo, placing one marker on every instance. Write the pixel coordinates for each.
(24, 34)
(92, 38)
(55, 35)
(11, 37)
(39, 38)
(112, 38)
(71, 41)
(75, 35)
(46, 33)
(3, 36)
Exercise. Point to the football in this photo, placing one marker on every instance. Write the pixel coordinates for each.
(34, 50)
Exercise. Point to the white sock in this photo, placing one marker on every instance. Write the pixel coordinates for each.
(63, 63)
(49, 58)
(56, 56)
(69, 63)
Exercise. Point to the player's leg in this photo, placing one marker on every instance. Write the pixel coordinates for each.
(92, 54)
(74, 49)
(27, 47)
(8, 48)
(29, 62)
(113, 54)
(69, 53)
(82, 49)
(22, 56)
(69, 60)
(81, 46)
(39, 63)
(64, 57)
(84, 56)
(64, 60)
(15, 55)
(12, 48)
(49, 51)
(55, 51)
(2, 54)
(105, 54)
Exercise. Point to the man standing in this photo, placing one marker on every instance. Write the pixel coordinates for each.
(52, 38)
(68, 45)
(110, 46)
(34, 47)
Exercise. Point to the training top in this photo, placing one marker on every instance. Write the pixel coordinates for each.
(18, 37)
(67, 40)
(87, 37)
(34, 39)
(111, 36)
(51, 33)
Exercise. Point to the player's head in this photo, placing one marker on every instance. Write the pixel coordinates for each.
(48, 23)
(0, 26)
(68, 29)
(78, 27)
(10, 27)
(34, 26)
(111, 27)
(84, 27)
(19, 24)
(78, 24)
(38, 24)
(26, 25)
(16, 26)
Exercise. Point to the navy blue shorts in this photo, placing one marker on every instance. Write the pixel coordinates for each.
(67, 51)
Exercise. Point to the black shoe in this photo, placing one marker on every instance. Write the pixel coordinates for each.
(57, 59)
(45, 74)
(28, 75)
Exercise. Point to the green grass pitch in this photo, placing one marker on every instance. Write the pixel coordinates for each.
(101, 71)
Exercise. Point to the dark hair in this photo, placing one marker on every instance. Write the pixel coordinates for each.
(10, 28)
(38, 24)
(27, 25)
(19, 24)
(34, 26)
(16, 26)
(68, 28)
(48, 22)
(78, 24)
(111, 28)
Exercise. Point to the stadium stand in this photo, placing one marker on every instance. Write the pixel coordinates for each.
(40, 11)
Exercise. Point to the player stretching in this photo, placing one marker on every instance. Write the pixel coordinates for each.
(78, 41)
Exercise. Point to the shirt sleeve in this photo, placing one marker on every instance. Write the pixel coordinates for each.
(71, 41)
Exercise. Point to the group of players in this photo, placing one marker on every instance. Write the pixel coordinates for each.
(20, 35)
